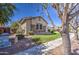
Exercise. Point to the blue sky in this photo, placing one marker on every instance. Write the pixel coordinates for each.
(26, 9)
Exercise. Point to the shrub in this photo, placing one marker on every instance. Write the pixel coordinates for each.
(52, 31)
(49, 30)
(37, 40)
(1, 31)
(31, 33)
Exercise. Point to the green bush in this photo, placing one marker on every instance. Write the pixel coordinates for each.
(52, 31)
(49, 30)
(37, 40)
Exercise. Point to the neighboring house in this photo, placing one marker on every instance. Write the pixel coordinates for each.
(4, 29)
(36, 24)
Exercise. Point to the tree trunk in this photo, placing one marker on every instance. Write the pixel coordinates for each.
(66, 39)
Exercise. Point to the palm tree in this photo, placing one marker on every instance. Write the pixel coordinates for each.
(6, 11)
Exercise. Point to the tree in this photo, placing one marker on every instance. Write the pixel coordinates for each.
(6, 11)
(14, 26)
(75, 24)
(66, 12)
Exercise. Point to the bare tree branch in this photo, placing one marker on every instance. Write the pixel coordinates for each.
(72, 26)
(57, 6)
(73, 8)
(50, 18)
(45, 6)
(73, 15)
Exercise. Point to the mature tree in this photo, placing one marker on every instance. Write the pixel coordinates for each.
(6, 11)
(75, 24)
(66, 12)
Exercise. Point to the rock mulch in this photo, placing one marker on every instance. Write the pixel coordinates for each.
(15, 48)
(25, 47)
(41, 49)
(45, 48)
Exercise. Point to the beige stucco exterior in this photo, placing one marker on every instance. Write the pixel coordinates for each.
(30, 25)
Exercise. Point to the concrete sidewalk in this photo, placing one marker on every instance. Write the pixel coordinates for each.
(43, 48)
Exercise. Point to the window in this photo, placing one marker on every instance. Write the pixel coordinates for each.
(37, 26)
(40, 26)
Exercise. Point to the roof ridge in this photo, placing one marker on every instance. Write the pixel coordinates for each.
(30, 17)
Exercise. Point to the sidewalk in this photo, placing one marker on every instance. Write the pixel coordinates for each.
(60, 50)
(43, 48)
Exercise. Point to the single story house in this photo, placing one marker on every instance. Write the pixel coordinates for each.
(36, 24)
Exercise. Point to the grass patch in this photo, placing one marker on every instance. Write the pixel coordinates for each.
(45, 38)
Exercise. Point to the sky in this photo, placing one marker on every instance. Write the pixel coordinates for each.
(35, 9)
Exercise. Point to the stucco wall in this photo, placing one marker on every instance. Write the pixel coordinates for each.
(36, 20)
(41, 21)
(26, 25)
